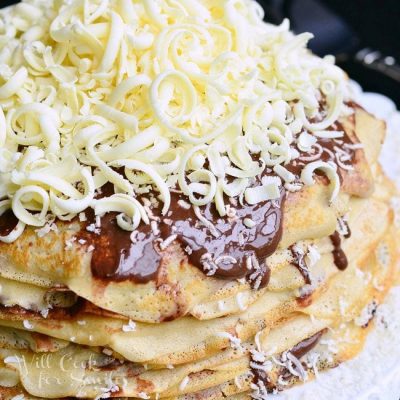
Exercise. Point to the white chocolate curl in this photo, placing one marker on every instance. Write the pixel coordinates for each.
(307, 176)
(194, 95)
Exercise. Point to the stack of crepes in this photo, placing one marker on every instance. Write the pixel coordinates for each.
(191, 203)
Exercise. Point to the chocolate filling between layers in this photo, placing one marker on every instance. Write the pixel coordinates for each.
(80, 308)
(298, 351)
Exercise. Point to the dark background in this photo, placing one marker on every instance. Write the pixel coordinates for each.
(364, 35)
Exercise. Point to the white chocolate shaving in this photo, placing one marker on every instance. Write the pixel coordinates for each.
(307, 176)
(268, 191)
(306, 141)
(285, 174)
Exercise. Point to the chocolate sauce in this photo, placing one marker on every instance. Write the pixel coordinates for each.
(8, 222)
(117, 257)
(305, 346)
(230, 237)
(260, 375)
(339, 257)
(325, 150)
(299, 351)
(305, 300)
(300, 263)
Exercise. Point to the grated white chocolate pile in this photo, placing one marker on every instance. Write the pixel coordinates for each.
(156, 95)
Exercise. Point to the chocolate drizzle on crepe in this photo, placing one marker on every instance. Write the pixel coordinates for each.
(8, 222)
(262, 378)
(300, 263)
(339, 256)
(223, 247)
(305, 346)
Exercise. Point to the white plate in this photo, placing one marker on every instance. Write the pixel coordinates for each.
(375, 373)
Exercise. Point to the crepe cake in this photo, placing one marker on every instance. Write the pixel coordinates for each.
(191, 204)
